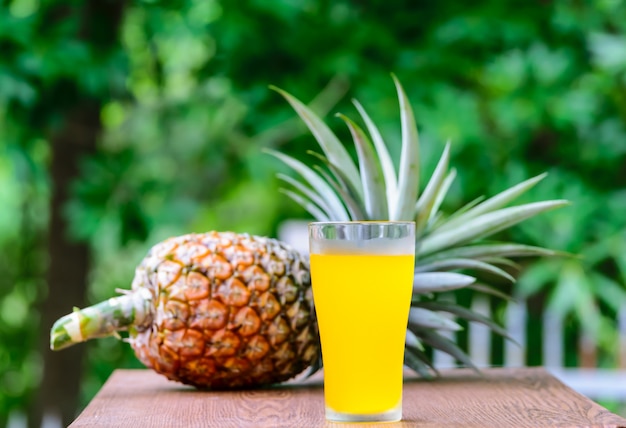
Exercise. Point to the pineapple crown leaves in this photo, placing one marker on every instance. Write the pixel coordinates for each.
(375, 200)
(374, 184)
(373, 189)
(334, 150)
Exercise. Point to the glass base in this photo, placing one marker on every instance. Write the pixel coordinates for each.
(393, 415)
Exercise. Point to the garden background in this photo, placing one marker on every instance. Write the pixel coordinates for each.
(123, 123)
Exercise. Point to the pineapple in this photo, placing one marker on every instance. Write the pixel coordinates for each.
(213, 310)
(339, 190)
(226, 310)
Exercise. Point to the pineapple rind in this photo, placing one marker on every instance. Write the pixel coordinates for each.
(230, 310)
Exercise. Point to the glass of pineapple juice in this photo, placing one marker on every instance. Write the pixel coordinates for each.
(362, 278)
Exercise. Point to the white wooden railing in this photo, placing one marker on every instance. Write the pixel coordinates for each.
(588, 379)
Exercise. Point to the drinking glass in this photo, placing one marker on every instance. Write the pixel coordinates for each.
(362, 278)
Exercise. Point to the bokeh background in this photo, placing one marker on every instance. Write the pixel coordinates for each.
(126, 122)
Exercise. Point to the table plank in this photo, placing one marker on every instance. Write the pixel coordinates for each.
(503, 397)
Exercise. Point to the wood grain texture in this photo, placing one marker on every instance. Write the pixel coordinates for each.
(526, 397)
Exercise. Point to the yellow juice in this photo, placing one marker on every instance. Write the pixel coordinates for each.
(362, 303)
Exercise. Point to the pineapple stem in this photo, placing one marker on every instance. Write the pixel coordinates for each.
(103, 319)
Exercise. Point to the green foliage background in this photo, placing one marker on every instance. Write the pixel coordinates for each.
(518, 87)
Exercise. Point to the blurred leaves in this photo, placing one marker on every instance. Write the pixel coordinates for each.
(518, 88)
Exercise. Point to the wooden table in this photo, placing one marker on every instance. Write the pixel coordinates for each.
(527, 397)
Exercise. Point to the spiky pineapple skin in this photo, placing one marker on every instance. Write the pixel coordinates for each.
(229, 310)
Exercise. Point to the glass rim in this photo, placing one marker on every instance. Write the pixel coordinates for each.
(355, 222)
